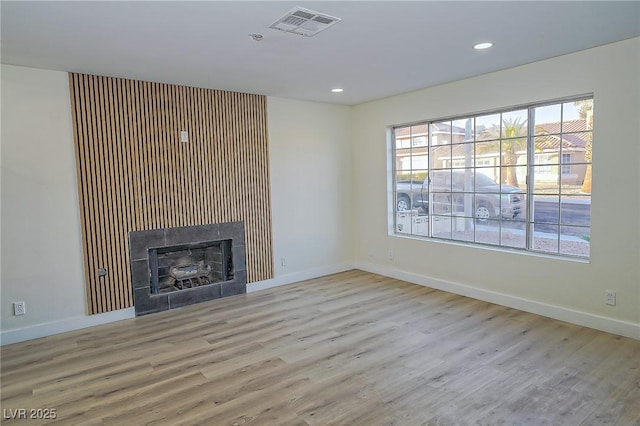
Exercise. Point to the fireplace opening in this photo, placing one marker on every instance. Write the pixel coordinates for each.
(181, 267)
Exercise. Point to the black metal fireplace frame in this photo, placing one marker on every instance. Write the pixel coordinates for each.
(140, 242)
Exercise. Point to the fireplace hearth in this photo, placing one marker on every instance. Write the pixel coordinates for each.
(173, 267)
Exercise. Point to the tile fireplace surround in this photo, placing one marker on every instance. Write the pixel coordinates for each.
(140, 243)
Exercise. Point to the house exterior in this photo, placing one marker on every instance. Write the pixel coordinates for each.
(559, 156)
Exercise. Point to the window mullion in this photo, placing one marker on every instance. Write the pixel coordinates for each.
(531, 149)
(430, 196)
(559, 233)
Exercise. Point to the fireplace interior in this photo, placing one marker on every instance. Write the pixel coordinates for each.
(186, 266)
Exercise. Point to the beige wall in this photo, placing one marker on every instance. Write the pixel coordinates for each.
(612, 74)
(41, 242)
(311, 184)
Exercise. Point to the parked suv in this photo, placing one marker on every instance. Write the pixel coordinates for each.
(491, 200)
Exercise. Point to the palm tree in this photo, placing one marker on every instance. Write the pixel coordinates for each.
(513, 137)
(585, 109)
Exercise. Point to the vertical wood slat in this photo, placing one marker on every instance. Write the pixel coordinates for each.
(89, 207)
(119, 129)
(94, 169)
(134, 173)
(79, 129)
(107, 208)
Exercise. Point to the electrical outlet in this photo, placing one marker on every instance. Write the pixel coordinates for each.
(19, 308)
(390, 255)
(283, 262)
(610, 297)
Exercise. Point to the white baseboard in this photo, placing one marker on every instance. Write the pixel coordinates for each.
(62, 326)
(299, 276)
(610, 325)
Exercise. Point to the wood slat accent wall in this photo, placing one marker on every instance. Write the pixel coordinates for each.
(135, 174)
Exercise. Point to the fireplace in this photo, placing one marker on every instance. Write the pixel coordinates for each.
(173, 267)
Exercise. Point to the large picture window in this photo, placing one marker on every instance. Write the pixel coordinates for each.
(518, 178)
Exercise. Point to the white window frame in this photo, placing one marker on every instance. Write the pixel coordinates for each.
(416, 225)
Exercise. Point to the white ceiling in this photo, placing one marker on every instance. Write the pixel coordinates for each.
(380, 48)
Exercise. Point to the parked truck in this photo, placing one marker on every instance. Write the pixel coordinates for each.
(453, 192)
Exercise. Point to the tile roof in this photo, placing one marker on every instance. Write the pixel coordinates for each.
(548, 134)
(568, 126)
(574, 135)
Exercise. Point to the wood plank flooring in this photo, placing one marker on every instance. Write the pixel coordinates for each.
(348, 349)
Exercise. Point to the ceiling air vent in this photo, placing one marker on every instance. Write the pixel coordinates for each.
(304, 22)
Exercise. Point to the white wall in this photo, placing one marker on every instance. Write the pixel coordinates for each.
(311, 178)
(565, 289)
(41, 242)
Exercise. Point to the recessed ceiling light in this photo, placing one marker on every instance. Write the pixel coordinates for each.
(337, 90)
(482, 46)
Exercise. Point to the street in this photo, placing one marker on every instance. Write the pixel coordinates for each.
(575, 212)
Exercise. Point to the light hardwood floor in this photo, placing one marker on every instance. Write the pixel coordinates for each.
(351, 349)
